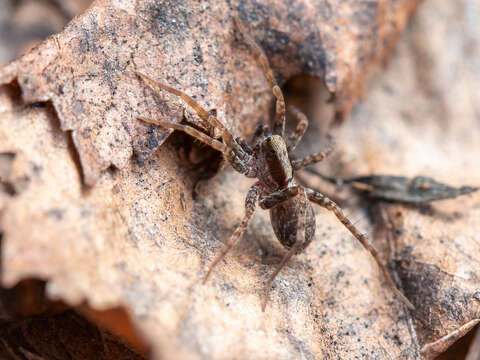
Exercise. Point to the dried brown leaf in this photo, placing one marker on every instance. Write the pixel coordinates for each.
(138, 240)
(86, 71)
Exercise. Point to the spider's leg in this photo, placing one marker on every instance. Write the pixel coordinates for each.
(198, 109)
(328, 204)
(293, 249)
(250, 204)
(240, 160)
(279, 127)
(295, 137)
(217, 145)
(204, 115)
(314, 158)
(240, 141)
(310, 159)
(270, 200)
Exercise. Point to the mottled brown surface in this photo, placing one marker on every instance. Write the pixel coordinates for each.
(86, 70)
(137, 239)
(427, 111)
(25, 23)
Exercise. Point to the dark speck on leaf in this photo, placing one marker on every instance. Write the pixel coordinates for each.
(166, 19)
(152, 143)
(197, 55)
(55, 213)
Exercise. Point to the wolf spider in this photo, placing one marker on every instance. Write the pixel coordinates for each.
(291, 214)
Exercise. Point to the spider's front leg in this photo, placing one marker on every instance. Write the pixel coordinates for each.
(240, 157)
(250, 204)
(279, 125)
(217, 145)
(310, 159)
(295, 137)
(328, 204)
(302, 125)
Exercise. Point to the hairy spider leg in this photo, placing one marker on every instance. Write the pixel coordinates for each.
(310, 159)
(240, 141)
(237, 156)
(302, 125)
(297, 135)
(204, 115)
(320, 199)
(250, 204)
(217, 145)
(328, 204)
(298, 243)
(279, 125)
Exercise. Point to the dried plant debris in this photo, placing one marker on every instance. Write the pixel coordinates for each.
(34, 326)
(419, 190)
(474, 349)
(432, 350)
(65, 335)
(85, 71)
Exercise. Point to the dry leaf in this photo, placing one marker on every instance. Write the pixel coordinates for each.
(86, 71)
(137, 238)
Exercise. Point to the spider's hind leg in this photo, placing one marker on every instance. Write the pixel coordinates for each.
(328, 204)
(301, 236)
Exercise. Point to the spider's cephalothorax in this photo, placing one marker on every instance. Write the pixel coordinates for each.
(274, 170)
(269, 161)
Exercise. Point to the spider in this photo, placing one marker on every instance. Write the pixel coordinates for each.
(269, 161)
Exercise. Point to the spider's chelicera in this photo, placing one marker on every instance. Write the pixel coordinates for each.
(291, 214)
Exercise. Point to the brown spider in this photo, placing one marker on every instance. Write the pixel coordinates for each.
(291, 213)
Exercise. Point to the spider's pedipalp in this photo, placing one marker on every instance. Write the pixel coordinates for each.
(277, 197)
(279, 125)
(325, 202)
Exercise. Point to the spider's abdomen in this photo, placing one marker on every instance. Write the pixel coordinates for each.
(285, 219)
